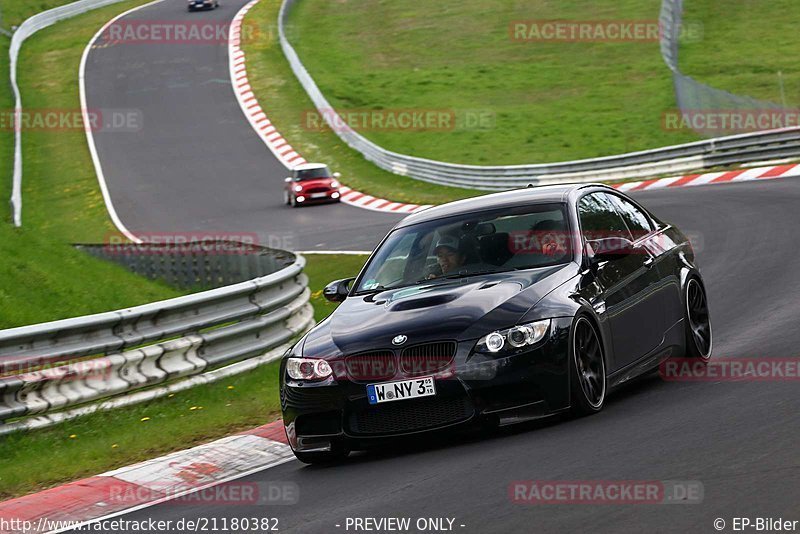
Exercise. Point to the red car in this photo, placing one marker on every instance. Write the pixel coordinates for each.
(309, 183)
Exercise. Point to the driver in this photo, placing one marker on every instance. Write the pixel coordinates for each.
(449, 255)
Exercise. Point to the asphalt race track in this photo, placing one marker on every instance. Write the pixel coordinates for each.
(735, 438)
(197, 165)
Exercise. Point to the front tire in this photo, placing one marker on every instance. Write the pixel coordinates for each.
(699, 339)
(587, 367)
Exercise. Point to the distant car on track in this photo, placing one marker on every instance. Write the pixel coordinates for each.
(196, 5)
(501, 308)
(311, 183)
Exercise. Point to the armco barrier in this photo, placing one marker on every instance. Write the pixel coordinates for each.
(25, 30)
(174, 344)
(668, 160)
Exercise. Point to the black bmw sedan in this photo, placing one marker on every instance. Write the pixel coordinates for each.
(501, 308)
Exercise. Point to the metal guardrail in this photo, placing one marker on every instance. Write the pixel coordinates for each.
(196, 265)
(668, 160)
(26, 29)
(174, 344)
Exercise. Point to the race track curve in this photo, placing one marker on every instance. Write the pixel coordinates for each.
(738, 439)
(197, 165)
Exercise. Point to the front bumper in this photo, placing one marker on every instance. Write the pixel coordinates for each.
(329, 196)
(527, 385)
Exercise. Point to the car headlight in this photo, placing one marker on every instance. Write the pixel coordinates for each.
(298, 188)
(308, 369)
(513, 339)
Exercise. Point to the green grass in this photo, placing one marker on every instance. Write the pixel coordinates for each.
(45, 280)
(323, 269)
(60, 192)
(745, 45)
(14, 12)
(551, 100)
(285, 102)
(103, 441)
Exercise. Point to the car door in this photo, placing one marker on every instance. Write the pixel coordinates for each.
(628, 283)
(656, 240)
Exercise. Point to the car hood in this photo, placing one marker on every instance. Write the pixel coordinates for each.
(318, 182)
(460, 309)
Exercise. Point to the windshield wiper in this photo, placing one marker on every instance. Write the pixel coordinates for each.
(472, 273)
(370, 291)
(378, 289)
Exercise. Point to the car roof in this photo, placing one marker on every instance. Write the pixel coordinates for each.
(515, 197)
(309, 166)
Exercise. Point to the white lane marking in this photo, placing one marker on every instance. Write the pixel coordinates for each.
(98, 167)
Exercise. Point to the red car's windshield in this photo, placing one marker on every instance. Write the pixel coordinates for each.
(312, 174)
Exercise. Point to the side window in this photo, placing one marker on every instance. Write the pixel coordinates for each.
(638, 223)
(599, 219)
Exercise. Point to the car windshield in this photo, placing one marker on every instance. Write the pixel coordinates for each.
(312, 174)
(465, 245)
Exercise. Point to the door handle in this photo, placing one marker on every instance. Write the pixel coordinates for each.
(649, 262)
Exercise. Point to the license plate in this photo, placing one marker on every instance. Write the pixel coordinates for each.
(319, 195)
(401, 390)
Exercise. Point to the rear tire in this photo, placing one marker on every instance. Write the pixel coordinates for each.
(587, 368)
(699, 338)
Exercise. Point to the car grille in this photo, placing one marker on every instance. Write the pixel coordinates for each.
(316, 190)
(427, 358)
(310, 398)
(410, 415)
(371, 366)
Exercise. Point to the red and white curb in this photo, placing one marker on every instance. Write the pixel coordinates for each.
(290, 157)
(279, 146)
(709, 178)
(361, 200)
(171, 477)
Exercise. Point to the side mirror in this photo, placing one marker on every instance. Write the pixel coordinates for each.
(337, 175)
(608, 249)
(338, 290)
(287, 179)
